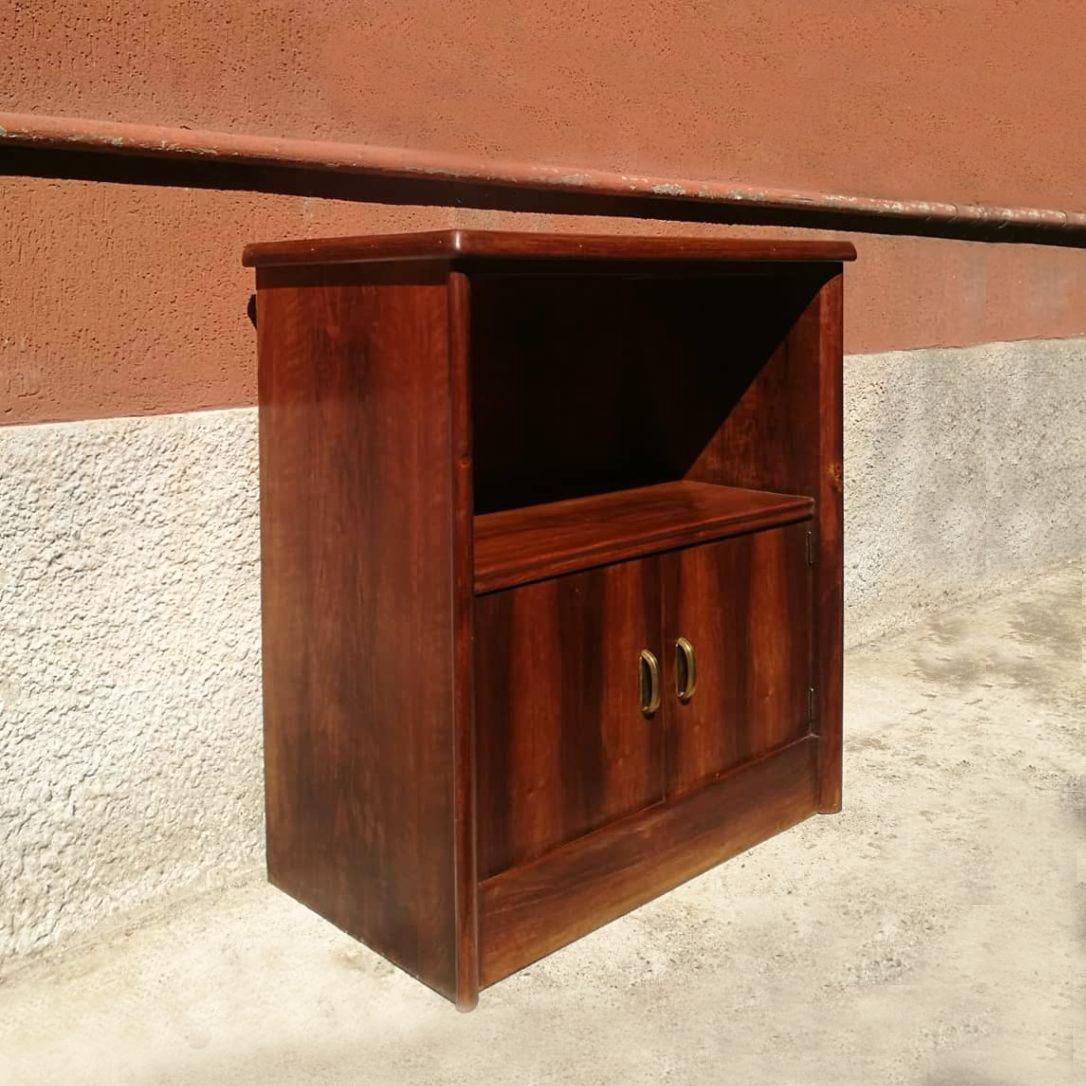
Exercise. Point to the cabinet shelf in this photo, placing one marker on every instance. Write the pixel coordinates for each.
(515, 546)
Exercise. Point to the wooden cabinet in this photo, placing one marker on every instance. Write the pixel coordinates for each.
(551, 573)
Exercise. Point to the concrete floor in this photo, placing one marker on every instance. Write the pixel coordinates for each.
(930, 934)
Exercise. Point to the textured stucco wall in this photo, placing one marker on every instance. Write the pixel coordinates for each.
(129, 606)
(129, 677)
(964, 470)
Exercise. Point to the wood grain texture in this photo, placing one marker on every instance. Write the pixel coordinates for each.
(783, 432)
(518, 545)
(745, 606)
(490, 244)
(359, 608)
(563, 746)
(494, 469)
(827, 316)
(585, 382)
(760, 418)
(529, 911)
(464, 836)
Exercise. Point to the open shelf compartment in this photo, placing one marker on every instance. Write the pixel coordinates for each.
(514, 546)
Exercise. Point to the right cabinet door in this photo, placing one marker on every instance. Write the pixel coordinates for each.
(737, 626)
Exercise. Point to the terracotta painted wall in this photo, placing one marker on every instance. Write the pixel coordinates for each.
(128, 300)
(120, 298)
(977, 100)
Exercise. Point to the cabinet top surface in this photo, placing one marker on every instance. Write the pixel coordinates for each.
(480, 245)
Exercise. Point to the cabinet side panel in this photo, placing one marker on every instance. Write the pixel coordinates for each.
(358, 612)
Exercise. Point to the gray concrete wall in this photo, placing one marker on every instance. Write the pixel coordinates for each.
(965, 470)
(129, 606)
(130, 673)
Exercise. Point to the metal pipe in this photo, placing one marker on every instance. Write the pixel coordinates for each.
(74, 133)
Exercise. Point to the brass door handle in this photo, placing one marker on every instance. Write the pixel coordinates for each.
(686, 670)
(648, 682)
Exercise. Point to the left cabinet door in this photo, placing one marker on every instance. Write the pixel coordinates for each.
(565, 739)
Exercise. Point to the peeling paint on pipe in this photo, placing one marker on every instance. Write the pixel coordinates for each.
(73, 133)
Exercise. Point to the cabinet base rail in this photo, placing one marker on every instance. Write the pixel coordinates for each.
(527, 912)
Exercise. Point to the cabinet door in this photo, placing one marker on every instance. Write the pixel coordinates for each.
(562, 743)
(743, 607)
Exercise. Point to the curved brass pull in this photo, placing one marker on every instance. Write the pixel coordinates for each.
(648, 677)
(686, 669)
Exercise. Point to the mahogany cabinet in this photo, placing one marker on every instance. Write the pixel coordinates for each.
(551, 576)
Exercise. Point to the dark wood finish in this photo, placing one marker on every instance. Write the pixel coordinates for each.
(494, 468)
(360, 616)
(518, 545)
(563, 746)
(529, 911)
(782, 431)
(489, 244)
(464, 858)
(586, 383)
(822, 324)
(745, 606)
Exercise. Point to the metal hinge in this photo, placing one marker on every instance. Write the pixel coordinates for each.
(810, 547)
(810, 704)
